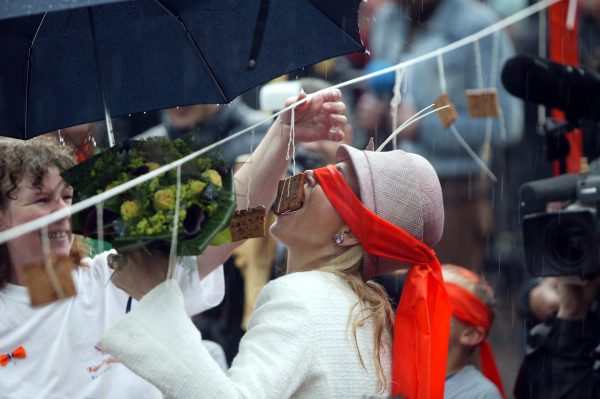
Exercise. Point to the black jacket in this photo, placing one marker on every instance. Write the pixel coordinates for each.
(562, 360)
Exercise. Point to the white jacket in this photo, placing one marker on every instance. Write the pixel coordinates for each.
(299, 344)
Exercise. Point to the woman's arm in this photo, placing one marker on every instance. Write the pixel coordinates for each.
(320, 118)
(158, 342)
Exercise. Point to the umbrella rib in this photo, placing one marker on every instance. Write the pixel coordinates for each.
(28, 73)
(338, 25)
(109, 129)
(195, 45)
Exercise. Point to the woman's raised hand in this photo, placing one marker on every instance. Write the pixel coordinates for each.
(321, 117)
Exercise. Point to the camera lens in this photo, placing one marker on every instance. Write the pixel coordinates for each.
(569, 242)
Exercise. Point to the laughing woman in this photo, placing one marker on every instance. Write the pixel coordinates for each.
(58, 340)
(323, 330)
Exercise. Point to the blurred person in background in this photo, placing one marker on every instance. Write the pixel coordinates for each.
(474, 309)
(403, 30)
(204, 124)
(474, 304)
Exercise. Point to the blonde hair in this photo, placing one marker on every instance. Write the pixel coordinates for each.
(373, 302)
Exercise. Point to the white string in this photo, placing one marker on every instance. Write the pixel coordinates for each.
(281, 196)
(442, 74)
(249, 188)
(291, 142)
(66, 212)
(478, 67)
(485, 150)
(495, 51)
(48, 264)
(495, 57)
(292, 146)
(472, 153)
(416, 117)
(395, 102)
(173, 252)
(100, 226)
(293, 138)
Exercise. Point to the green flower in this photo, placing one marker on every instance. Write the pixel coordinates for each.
(211, 209)
(130, 210)
(197, 187)
(164, 199)
(154, 184)
(202, 163)
(213, 176)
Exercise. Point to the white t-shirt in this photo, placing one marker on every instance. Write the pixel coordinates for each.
(60, 339)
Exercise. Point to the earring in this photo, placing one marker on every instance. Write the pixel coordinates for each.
(338, 238)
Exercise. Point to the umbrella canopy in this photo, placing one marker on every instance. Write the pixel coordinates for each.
(64, 63)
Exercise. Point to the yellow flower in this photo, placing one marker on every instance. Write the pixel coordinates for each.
(213, 176)
(197, 187)
(164, 199)
(130, 210)
(152, 165)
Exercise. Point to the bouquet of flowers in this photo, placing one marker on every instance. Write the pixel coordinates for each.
(144, 216)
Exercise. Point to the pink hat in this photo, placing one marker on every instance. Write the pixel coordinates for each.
(403, 189)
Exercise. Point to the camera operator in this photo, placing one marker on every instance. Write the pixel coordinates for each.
(562, 251)
(562, 352)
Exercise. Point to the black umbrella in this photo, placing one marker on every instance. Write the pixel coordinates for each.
(68, 62)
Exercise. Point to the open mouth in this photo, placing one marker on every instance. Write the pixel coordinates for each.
(56, 235)
(289, 212)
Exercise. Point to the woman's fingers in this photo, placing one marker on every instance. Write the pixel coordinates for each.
(337, 107)
(338, 120)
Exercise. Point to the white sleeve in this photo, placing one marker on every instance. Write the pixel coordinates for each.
(199, 294)
(158, 342)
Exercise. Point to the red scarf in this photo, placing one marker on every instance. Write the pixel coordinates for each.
(422, 326)
(471, 310)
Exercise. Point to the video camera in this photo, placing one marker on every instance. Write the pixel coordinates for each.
(566, 242)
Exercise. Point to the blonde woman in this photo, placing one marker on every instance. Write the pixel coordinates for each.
(323, 330)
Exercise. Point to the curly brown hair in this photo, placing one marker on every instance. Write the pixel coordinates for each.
(26, 160)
